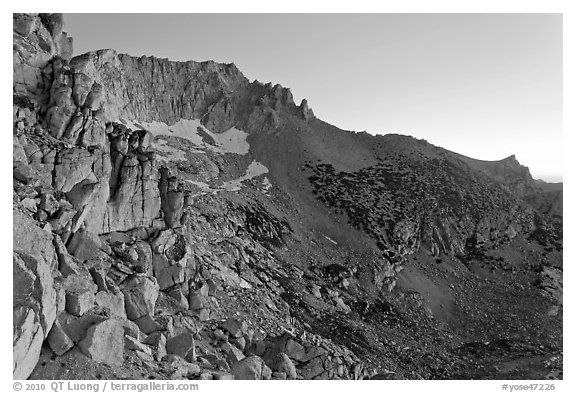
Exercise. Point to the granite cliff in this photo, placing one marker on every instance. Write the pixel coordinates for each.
(175, 220)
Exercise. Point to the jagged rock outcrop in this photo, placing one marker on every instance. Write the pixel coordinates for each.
(150, 89)
(306, 111)
(107, 191)
(38, 38)
(103, 86)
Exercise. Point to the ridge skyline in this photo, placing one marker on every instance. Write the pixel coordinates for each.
(536, 149)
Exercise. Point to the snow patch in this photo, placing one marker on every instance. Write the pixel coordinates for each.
(232, 140)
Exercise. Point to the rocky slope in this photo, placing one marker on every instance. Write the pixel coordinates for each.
(175, 220)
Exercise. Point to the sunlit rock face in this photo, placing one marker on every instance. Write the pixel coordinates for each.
(150, 89)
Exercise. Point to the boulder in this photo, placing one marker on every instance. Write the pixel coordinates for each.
(234, 354)
(283, 364)
(35, 306)
(220, 335)
(167, 322)
(28, 238)
(67, 264)
(27, 341)
(33, 287)
(314, 368)
(206, 376)
(178, 368)
(99, 273)
(85, 245)
(196, 301)
(18, 153)
(294, 349)
(239, 342)
(49, 204)
(146, 358)
(169, 272)
(23, 173)
(182, 345)
(29, 204)
(76, 327)
(135, 345)
(104, 343)
(203, 314)
(236, 327)
(315, 289)
(114, 302)
(148, 325)
(176, 294)
(157, 341)
(62, 218)
(80, 291)
(257, 348)
(79, 302)
(341, 305)
(251, 368)
(222, 376)
(130, 328)
(58, 340)
(140, 294)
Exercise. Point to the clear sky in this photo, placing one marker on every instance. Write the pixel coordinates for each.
(483, 85)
